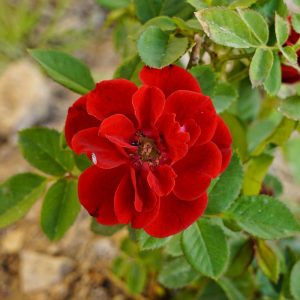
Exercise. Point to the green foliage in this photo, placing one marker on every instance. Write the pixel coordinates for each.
(130, 69)
(282, 30)
(65, 69)
(41, 148)
(273, 81)
(223, 96)
(241, 256)
(113, 4)
(291, 152)
(60, 208)
(267, 260)
(148, 242)
(136, 277)
(103, 229)
(256, 24)
(263, 217)
(158, 49)
(255, 172)
(260, 66)
(177, 273)
(206, 78)
(295, 275)
(227, 188)
(296, 22)
(148, 9)
(205, 248)
(290, 107)
(226, 27)
(18, 194)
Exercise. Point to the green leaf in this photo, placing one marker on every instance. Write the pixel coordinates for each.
(224, 95)
(158, 49)
(291, 152)
(148, 9)
(238, 132)
(260, 66)
(230, 289)
(225, 27)
(242, 3)
(104, 229)
(173, 248)
(130, 69)
(282, 30)
(163, 22)
(256, 24)
(41, 148)
(205, 248)
(255, 172)
(290, 55)
(65, 69)
(136, 277)
(206, 78)
(294, 281)
(113, 4)
(212, 291)
(125, 31)
(290, 107)
(267, 260)
(60, 208)
(177, 273)
(296, 22)
(248, 102)
(198, 4)
(272, 83)
(148, 242)
(227, 188)
(263, 217)
(272, 183)
(82, 162)
(241, 257)
(17, 195)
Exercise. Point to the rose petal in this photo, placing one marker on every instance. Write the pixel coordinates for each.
(190, 105)
(112, 97)
(169, 79)
(124, 199)
(176, 140)
(175, 215)
(148, 103)
(106, 155)
(191, 185)
(78, 119)
(119, 130)
(145, 198)
(162, 180)
(96, 189)
(205, 159)
(222, 138)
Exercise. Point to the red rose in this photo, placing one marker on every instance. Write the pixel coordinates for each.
(290, 74)
(155, 150)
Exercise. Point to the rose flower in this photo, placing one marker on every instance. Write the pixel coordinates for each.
(155, 150)
(290, 74)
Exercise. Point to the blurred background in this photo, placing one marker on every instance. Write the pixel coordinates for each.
(77, 267)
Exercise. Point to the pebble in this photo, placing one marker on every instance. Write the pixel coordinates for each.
(40, 271)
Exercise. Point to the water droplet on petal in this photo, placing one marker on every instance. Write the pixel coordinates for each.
(94, 158)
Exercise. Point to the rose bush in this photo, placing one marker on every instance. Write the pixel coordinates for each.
(155, 150)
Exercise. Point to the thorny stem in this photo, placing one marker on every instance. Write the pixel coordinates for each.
(195, 55)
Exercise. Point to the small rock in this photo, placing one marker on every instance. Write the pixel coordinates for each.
(104, 249)
(12, 241)
(40, 271)
(99, 293)
(24, 96)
